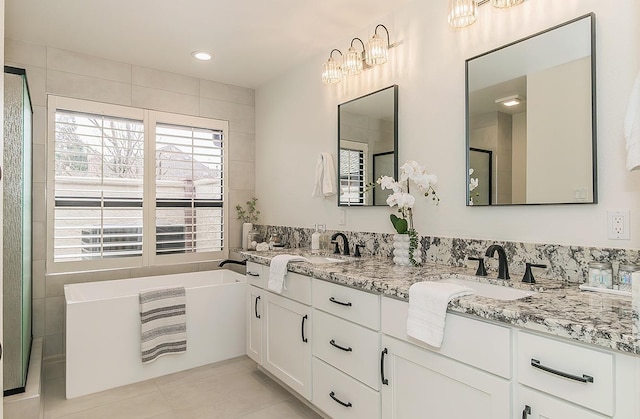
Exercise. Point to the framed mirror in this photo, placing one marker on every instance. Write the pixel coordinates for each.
(367, 146)
(531, 111)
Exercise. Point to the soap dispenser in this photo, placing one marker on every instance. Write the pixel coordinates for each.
(315, 240)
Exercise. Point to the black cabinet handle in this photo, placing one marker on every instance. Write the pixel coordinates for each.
(304, 318)
(333, 343)
(337, 400)
(333, 300)
(252, 274)
(384, 380)
(255, 307)
(584, 379)
(526, 412)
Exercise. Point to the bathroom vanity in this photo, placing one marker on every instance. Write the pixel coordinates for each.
(337, 336)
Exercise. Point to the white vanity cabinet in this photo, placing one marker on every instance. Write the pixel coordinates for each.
(469, 376)
(287, 328)
(346, 351)
(255, 312)
(558, 379)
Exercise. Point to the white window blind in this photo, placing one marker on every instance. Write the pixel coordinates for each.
(189, 189)
(352, 176)
(98, 186)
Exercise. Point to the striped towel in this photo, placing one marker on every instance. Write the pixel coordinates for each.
(163, 327)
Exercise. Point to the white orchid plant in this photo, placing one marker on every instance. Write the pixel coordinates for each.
(402, 198)
(473, 183)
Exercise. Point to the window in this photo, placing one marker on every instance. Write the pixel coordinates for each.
(352, 173)
(133, 187)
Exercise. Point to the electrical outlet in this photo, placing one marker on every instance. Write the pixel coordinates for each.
(618, 225)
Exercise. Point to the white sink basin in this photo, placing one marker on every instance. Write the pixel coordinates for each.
(319, 260)
(497, 292)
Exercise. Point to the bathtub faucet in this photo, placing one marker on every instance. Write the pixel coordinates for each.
(237, 262)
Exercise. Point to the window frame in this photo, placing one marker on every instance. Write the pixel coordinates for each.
(150, 118)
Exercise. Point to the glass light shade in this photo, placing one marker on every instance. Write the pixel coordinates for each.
(331, 72)
(462, 13)
(376, 51)
(352, 62)
(505, 3)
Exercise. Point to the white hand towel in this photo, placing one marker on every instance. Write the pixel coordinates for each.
(632, 127)
(325, 181)
(278, 269)
(428, 308)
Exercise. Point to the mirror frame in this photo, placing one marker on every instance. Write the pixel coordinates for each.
(395, 144)
(594, 132)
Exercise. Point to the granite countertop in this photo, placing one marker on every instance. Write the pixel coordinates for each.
(558, 308)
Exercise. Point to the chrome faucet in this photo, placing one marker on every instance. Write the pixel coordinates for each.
(503, 269)
(345, 243)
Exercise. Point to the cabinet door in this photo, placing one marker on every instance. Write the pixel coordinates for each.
(287, 343)
(423, 384)
(535, 405)
(254, 323)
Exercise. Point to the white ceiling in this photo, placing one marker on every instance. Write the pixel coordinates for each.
(252, 41)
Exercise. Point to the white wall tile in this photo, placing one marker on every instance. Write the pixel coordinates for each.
(90, 88)
(164, 100)
(242, 146)
(55, 283)
(227, 92)
(39, 125)
(241, 117)
(37, 274)
(53, 345)
(37, 81)
(242, 176)
(39, 244)
(39, 160)
(37, 310)
(22, 54)
(54, 315)
(147, 77)
(39, 210)
(87, 65)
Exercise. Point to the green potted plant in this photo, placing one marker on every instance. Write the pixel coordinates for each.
(248, 217)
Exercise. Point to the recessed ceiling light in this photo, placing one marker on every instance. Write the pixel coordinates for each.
(201, 55)
(509, 100)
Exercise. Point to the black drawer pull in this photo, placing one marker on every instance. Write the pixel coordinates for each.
(333, 300)
(384, 380)
(526, 411)
(333, 396)
(304, 318)
(584, 379)
(252, 274)
(333, 343)
(255, 308)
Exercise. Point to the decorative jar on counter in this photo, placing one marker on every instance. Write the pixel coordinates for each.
(252, 240)
(624, 276)
(600, 275)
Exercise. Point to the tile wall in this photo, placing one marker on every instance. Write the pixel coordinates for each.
(65, 73)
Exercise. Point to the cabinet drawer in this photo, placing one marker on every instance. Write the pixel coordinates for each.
(254, 274)
(474, 342)
(542, 406)
(296, 286)
(360, 400)
(354, 305)
(360, 353)
(576, 362)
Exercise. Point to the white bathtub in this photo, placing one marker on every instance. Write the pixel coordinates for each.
(103, 328)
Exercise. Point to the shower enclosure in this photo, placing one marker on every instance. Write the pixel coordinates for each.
(17, 229)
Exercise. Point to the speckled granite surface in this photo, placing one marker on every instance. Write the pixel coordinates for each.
(564, 262)
(559, 308)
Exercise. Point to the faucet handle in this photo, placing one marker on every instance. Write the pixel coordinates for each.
(481, 271)
(356, 253)
(528, 275)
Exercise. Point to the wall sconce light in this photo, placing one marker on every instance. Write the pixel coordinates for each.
(510, 101)
(375, 52)
(463, 13)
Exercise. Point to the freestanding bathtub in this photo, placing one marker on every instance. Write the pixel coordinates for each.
(103, 328)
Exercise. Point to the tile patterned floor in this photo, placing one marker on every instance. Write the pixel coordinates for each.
(230, 389)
